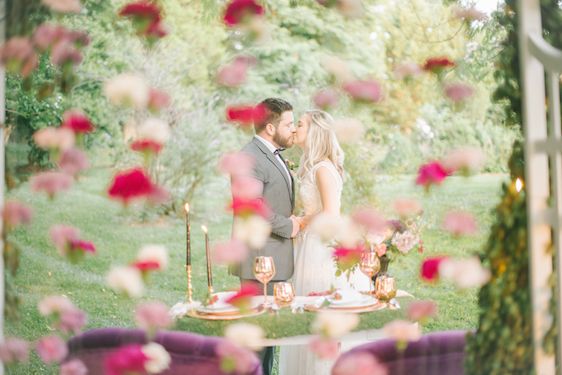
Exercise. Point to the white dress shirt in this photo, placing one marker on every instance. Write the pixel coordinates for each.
(272, 148)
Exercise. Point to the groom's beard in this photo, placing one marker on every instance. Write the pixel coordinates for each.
(283, 142)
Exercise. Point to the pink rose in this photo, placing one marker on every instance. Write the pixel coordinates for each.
(235, 73)
(324, 348)
(469, 14)
(54, 305)
(422, 310)
(51, 349)
(152, 316)
(235, 358)
(51, 138)
(366, 91)
(407, 207)
(62, 236)
(326, 98)
(65, 52)
(16, 213)
(18, 56)
(370, 219)
(460, 223)
(466, 160)
(73, 161)
(430, 268)
(158, 100)
(359, 364)
(246, 187)
(230, 252)
(77, 121)
(13, 350)
(458, 92)
(125, 360)
(432, 173)
(63, 6)
(51, 183)
(407, 70)
(46, 35)
(237, 163)
(73, 367)
(72, 321)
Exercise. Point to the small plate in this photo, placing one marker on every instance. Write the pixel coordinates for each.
(361, 300)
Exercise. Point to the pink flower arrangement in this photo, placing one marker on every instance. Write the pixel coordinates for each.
(73, 367)
(460, 223)
(235, 358)
(243, 298)
(51, 349)
(235, 73)
(158, 100)
(422, 310)
(51, 183)
(152, 316)
(15, 213)
(366, 91)
(126, 360)
(63, 6)
(324, 348)
(73, 161)
(77, 121)
(237, 164)
(18, 56)
(361, 363)
(240, 11)
(326, 98)
(430, 269)
(14, 350)
(54, 139)
(438, 64)
(249, 207)
(458, 92)
(245, 115)
(129, 185)
(231, 252)
(432, 173)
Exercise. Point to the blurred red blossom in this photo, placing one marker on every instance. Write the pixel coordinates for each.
(248, 207)
(432, 173)
(246, 115)
(458, 92)
(125, 360)
(430, 268)
(77, 121)
(130, 184)
(240, 11)
(348, 257)
(148, 146)
(146, 16)
(437, 64)
(65, 52)
(243, 298)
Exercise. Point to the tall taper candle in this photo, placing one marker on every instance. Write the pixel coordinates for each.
(208, 254)
(188, 254)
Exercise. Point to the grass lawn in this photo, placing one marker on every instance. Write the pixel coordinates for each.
(118, 236)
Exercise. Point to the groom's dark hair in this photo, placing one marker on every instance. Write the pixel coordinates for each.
(273, 107)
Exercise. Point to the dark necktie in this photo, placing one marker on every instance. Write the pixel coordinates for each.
(278, 151)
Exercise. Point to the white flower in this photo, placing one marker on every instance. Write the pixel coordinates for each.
(63, 6)
(334, 324)
(127, 90)
(464, 273)
(246, 335)
(253, 231)
(154, 129)
(154, 253)
(401, 330)
(349, 130)
(326, 226)
(126, 280)
(158, 358)
(54, 304)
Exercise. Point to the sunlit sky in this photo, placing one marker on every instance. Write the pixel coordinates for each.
(487, 6)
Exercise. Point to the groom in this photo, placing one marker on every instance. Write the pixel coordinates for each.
(274, 133)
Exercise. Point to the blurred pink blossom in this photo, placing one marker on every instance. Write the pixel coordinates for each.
(422, 310)
(367, 91)
(407, 207)
(464, 273)
(349, 130)
(51, 138)
(126, 360)
(65, 52)
(402, 331)
(152, 316)
(407, 70)
(51, 349)
(459, 223)
(466, 160)
(458, 92)
(158, 195)
(18, 56)
(51, 182)
(432, 173)
(72, 321)
(46, 35)
(63, 6)
(326, 98)
(15, 213)
(14, 349)
(370, 219)
(235, 358)
(235, 73)
(54, 305)
(62, 236)
(77, 121)
(469, 14)
(324, 348)
(73, 161)
(246, 187)
(73, 367)
(233, 251)
(158, 100)
(361, 363)
(237, 163)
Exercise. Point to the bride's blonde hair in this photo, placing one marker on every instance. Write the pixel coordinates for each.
(321, 143)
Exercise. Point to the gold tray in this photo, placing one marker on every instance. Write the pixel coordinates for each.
(198, 315)
(362, 309)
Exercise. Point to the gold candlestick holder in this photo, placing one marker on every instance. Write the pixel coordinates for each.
(189, 285)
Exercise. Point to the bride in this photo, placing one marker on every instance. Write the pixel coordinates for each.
(320, 175)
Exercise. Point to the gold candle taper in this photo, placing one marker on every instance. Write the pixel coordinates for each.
(188, 254)
(208, 255)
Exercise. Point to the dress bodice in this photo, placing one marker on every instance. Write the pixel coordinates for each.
(308, 190)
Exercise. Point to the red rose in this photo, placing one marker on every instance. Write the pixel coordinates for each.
(432, 173)
(126, 359)
(245, 115)
(437, 64)
(348, 257)
(130, 184)
(146, 265)
(246, 207)
(238, 10)
(242, 299)
(84, 246)
(146, 145)
(430, 268)
(142, 9)
(77, 121)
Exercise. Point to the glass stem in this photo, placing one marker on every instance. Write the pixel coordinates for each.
(265, 294)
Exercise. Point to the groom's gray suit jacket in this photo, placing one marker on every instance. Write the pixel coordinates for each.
(278, 193)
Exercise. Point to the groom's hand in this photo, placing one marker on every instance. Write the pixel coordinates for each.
(297, 221)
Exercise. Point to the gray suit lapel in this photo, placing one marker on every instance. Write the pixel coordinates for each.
(275, 162)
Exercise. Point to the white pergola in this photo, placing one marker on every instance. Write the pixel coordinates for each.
(543, 171)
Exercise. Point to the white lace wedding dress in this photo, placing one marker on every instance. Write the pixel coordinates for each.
(314, 272)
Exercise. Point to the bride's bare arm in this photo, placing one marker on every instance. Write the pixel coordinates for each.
(328, 191)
